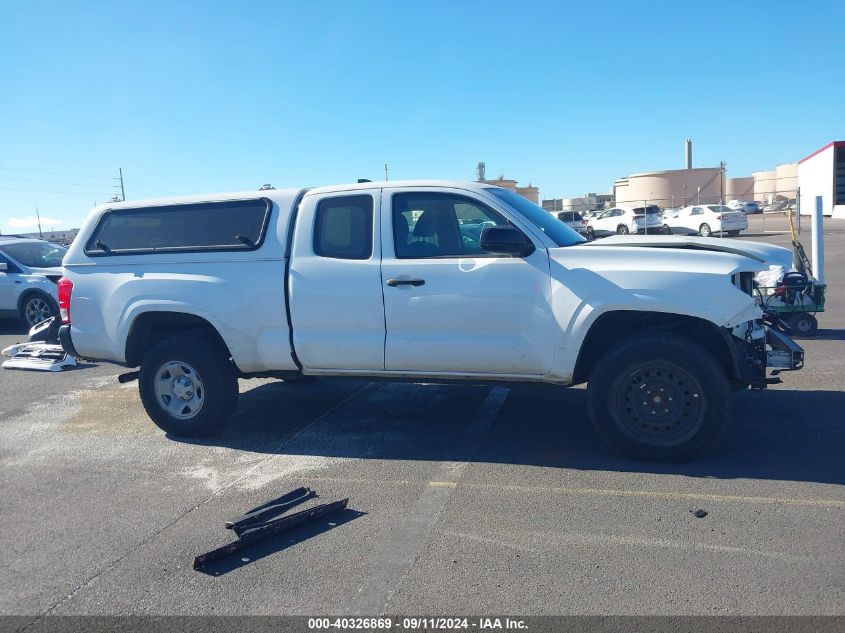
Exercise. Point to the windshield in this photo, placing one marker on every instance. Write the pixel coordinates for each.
(651, 210)
(36, 254)
(559, 233)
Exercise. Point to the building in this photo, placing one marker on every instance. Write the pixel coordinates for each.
(65, 236)
(587, 202)
(531, 192)
(822, 173)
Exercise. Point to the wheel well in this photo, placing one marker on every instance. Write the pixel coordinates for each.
(26, 294)
(152, 327)
(612, 326)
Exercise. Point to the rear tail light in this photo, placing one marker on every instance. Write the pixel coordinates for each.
(65, 290)
(718, 217)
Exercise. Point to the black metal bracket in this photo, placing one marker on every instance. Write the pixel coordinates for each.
(257, 524)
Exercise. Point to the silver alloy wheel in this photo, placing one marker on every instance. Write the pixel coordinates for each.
(36, 310)
(179, 390)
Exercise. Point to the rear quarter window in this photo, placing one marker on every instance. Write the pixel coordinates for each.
(232, 225)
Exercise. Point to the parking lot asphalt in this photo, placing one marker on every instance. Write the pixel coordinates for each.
(462, 499)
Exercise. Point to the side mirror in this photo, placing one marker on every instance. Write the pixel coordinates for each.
(506, 240)
(4, 267)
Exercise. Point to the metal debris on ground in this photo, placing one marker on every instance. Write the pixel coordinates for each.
(38, 356)
(699, 513)
(264, 522)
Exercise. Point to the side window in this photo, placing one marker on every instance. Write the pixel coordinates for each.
(343, 227)
(440, 225)
(696, 211)
(10, 267)
(231, 225)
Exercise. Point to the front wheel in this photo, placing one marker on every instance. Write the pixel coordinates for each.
(705, 231)
(622, 230)
(188, 385)
(590, 234)
(659, 397)
(803, 324)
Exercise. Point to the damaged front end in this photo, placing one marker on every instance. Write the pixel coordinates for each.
(758, 347)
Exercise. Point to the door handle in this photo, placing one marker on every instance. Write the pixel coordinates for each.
(405, 282)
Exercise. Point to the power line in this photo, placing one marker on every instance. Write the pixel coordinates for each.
(83, 193)
(50, 182)
(53, 173)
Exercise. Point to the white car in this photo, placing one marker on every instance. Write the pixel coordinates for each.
(622, 220)
(29, 271)
(394, 280)
(705, 220)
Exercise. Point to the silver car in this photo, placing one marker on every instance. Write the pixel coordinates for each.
(29, 271)
(573, 220)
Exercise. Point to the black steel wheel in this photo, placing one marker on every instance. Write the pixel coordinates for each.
(659, 397)
(803, 324)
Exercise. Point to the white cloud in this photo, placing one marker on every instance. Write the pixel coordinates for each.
(31, 222)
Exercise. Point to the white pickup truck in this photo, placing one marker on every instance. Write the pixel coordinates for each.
(421, 281)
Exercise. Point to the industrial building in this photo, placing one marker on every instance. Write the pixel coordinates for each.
(822, 175)
(531, 192)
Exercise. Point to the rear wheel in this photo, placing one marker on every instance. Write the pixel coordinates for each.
(188, 385)
(803, 324)
(622, 230)
(590, 234)
(37, 307)
(705, 231)
(659, 397)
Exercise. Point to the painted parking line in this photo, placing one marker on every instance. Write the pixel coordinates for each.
(597, 492)
(400, 553)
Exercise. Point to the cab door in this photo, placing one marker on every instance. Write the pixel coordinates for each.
(449, 306)
(335, 285)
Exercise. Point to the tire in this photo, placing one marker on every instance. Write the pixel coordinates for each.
(194, 372)
(803, 324)
(704, 230)
(666, 230)
(622, 230)
(680, 376)
(732, 233)
(37, 307)
(590, 234)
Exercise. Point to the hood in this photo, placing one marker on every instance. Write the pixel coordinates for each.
(679, 280)
(760, 251)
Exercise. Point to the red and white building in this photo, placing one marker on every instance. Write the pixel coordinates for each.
(822, 173)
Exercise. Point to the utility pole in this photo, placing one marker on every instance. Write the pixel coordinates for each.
(38, 217)
(385, 172)
(722, 166)
(122, 191)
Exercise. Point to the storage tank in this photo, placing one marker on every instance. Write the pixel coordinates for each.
(739, 188)
(786, 185)
(764, 185)
(672, 188)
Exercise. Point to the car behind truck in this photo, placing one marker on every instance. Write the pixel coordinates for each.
(420, 281)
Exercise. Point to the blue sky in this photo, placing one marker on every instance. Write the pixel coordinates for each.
(208, 96)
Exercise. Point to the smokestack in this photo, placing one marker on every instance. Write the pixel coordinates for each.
(481, 171)
(688, 153)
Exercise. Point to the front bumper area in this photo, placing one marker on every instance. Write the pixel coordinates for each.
(785, 354)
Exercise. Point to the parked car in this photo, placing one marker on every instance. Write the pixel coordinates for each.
(381, 279)
(748, 206)
(778, 206)
(29, 271)
(622, 220)
(573, 220)
(705, 220)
